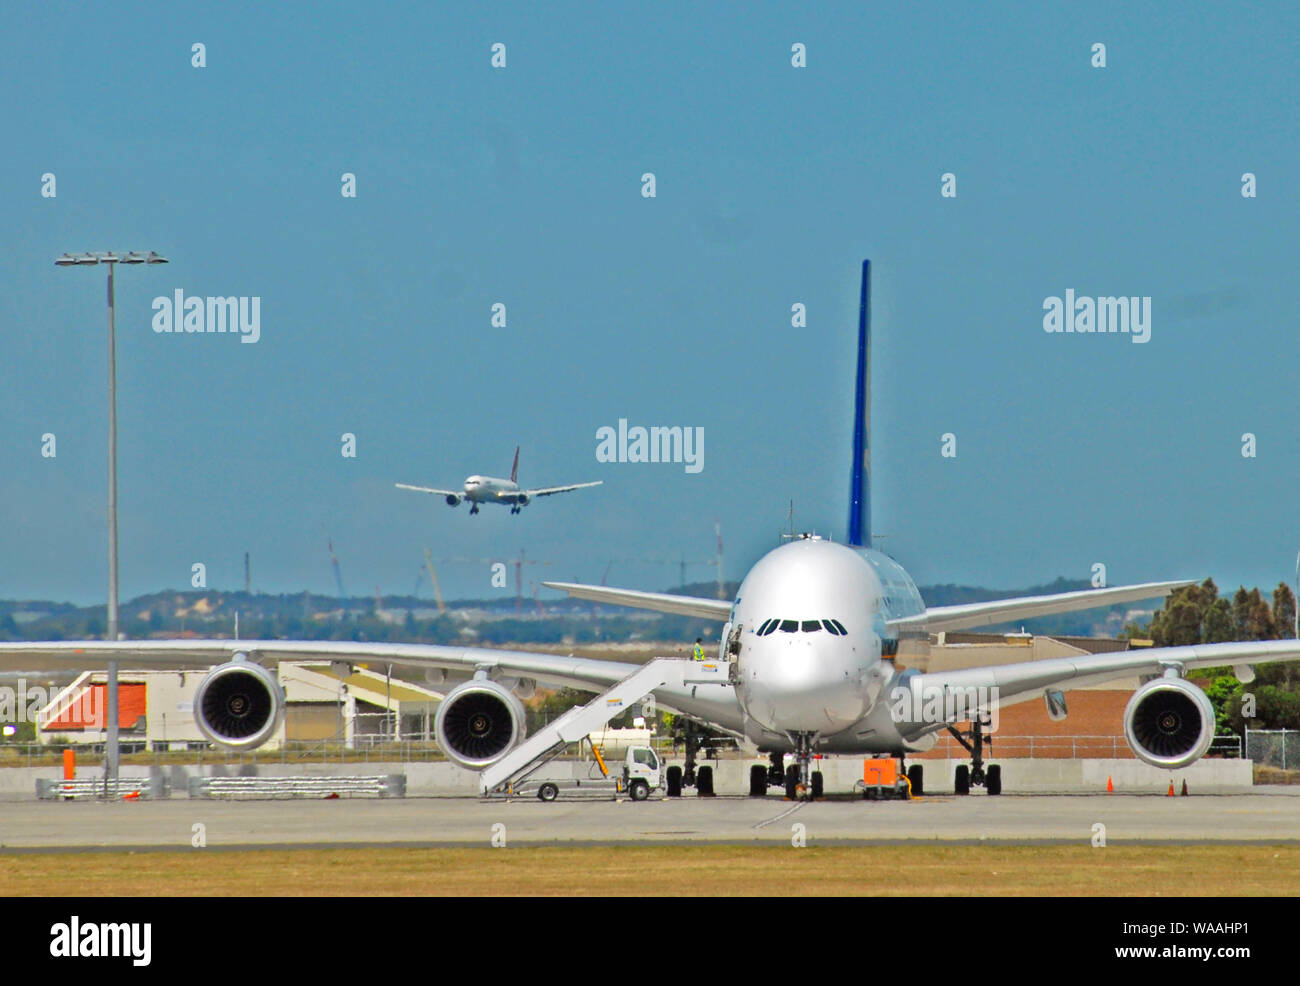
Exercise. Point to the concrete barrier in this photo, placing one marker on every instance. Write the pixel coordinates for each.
(731, 777)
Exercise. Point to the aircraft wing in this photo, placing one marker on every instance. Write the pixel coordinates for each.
(1026, 678)
(660, 602)
(965, 615)
(549, 669)
(428, 489)
(548, 490)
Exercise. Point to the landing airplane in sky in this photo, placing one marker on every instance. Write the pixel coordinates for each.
(812, 659)
(487, 489)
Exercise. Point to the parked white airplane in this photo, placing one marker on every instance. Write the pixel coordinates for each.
(814, 649)
(488, 489)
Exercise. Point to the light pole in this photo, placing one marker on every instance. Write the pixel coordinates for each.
(112, 260)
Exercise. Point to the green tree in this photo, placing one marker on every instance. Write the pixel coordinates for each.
(1284, 611)
(1218, 626)
(1240, 612)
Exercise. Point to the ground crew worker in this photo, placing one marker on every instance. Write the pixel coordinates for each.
(698, 653)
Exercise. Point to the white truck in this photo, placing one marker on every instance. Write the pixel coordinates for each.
(639, 777)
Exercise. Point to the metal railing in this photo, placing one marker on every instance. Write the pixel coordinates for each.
(404, 749)
(250, 788)
(1065, 748)
(1274, 747)
(154, 786)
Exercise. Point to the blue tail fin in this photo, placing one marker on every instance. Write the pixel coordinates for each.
(860, 488)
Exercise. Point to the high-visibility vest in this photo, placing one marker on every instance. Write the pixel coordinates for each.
(698, 653)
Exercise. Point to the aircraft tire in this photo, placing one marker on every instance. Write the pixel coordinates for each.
(791, 782)
(758, 781)
(962, 783)
(817, 785)
(673, 782)
(993, 780)
(916, 774)
(704, 782)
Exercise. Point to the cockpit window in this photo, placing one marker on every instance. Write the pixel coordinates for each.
(762, 629)
(768, 627)
(789, 626)
(811, 626)
(840, 627)
(830, 628)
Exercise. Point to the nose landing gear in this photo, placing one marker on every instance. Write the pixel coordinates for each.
(802, 783)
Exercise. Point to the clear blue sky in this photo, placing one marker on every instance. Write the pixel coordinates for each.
(522, 185)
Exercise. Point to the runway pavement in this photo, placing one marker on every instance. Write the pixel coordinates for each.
(1269, 815)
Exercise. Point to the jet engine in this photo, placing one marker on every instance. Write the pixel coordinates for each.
(479, 722)
(521, 499)
(453, 499)
(1169, 723)
(239, 705)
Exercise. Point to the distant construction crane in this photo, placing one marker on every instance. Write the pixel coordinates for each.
(433, 578)
(338, 575)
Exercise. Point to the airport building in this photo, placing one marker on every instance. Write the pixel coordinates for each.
(155, 709)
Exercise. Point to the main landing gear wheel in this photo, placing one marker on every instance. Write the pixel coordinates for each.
(704, 782)
(758, 780)
(973, 741)
(776, 770)
(916, 775)
(673, 782)
(639, 790)
(548, 792)
(963, 779)
(791, 782)
(817, 784)
(993, 779)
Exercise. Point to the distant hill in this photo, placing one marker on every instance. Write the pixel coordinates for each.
(496, 620)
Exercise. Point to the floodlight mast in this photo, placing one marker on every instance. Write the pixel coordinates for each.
(111, 744)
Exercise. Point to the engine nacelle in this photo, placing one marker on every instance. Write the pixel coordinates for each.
(479, 722)
(522, 499)
(1169, 723)
(239, 705)
(453, 499)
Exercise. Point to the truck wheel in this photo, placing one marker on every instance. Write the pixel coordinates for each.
(704, 782)
(758, 780)
(639, 790)
(963, 779)
(916, 774)
(673, 782)
(548, 791)
(993, 779)
(817, 786)
(791, 782)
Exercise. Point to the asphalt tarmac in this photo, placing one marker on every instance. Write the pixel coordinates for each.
(1268, 815)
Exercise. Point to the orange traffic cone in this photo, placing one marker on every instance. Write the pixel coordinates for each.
(1110, 785)
(131, 796)
(1171, 789)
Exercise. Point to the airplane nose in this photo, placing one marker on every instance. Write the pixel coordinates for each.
(792, 685)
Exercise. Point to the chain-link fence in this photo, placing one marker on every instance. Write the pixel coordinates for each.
(1274, 747)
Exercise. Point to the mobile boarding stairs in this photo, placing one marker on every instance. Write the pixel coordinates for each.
(548, 742)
